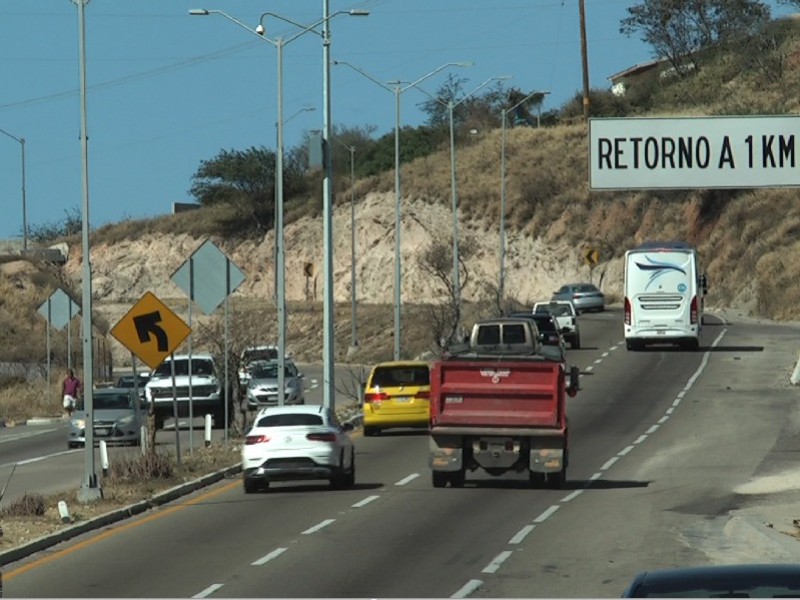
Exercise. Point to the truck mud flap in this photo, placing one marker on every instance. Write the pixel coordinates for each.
(547, 460)
(445, 453)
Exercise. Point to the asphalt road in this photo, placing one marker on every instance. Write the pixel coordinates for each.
(662, 443)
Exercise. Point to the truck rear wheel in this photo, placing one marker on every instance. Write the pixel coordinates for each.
(556, 481)
(439, 479)
(457, 478)
(536, 479)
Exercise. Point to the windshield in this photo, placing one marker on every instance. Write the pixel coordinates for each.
(253, 354)
(268, 371)
(111, 401)
(558, 310)
(200, 366)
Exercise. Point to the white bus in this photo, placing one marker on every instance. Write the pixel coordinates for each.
(664, 295)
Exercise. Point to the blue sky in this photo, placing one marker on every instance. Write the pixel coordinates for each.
(166, 90)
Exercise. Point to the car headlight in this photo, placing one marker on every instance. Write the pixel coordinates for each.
(79, 423)
(125, 420)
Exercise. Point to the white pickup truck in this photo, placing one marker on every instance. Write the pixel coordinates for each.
(567, 318)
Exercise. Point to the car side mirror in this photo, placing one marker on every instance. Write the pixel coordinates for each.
(347, 427)
(300, 375)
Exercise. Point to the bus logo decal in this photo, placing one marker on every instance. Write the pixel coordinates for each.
(658, 269)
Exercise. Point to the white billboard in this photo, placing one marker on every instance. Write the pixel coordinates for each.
(694, 152)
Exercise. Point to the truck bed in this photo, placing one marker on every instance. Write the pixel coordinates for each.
(507, 394)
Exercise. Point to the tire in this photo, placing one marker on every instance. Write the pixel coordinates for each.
(556, 481)
(457, 478)
(439, 479)
(576, 343)
(370, 431)
(159, 422)
(536, 479)
(350, 478)
(251, 486)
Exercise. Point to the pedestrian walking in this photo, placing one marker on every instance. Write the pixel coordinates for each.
(70, 391)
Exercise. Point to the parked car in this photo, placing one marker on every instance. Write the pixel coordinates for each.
(292, 443)
(118, 418)
(262, 389)
(718, 581)
(397, 394)
(567, 318)
(549, 335)
(584, 296)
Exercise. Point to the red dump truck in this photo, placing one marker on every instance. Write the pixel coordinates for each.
(498, 404)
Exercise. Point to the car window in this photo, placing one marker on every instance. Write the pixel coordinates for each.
(588, 288)
(259, 354)
(201, 366)
(406, 375)
(111, 401)
(289, 420)
(269, 370)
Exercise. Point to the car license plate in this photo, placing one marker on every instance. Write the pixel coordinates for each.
(102, 431)
(403, 399)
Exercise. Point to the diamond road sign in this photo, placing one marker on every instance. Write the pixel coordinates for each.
(151, 330)
(208, 277)
(59, 309)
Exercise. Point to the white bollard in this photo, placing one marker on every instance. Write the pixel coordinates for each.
(208, 430)
(104, 457)
(63, 512)
(143, 438)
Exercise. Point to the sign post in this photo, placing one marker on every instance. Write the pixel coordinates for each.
(592, 257)
(151, 331)
(59, 309)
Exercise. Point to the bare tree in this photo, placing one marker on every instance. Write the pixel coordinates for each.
(436, 261)
(681, 29)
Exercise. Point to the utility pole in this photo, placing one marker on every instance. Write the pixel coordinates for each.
(585, 61)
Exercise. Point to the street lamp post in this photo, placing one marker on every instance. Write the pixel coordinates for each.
(90, 489)
(24, 205)
(279, 43)
(502, 273)
(397, 89)
(454, 189)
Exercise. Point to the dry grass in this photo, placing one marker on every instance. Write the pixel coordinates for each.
(129, 481)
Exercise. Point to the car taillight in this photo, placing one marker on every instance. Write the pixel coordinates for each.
(693, 311)
(321, 437)
(255, 439)
(423, 394)
(627, 311)
(375, 397)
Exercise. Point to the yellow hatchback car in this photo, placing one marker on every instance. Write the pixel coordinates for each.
(397, 394)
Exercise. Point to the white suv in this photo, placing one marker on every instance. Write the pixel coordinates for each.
(207, 390)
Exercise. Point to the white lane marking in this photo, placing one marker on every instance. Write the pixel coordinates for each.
(314, 384)
(670, 410)
(18, 436)
(640, 439)
(573, 495)
(318, 526)
(663, 419)
(625, 450)
(542, 517)
(468, 588)
(405, 480)
(604, 354)
(265, 559)
(365, 501)
(29, 461)
(598, 361)
(681, 394)
(652, 429)
(589, 368)
(676, 402)
(498, 560)
(609, 463)
(208, 591)
(521, 534)
(595, 477)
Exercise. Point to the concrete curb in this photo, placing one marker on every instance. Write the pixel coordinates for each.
(47, 541)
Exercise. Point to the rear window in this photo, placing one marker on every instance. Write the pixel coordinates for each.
(289, 420)
(558, 310)
(546, 324)
(396, 376)
(254, 354)
(587, 288)
(200, 366)
(489, 335)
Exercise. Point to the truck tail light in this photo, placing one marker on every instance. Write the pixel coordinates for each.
(251, 440)
(375, 397)
(321, 437)
(693, 311)
(627, 311)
